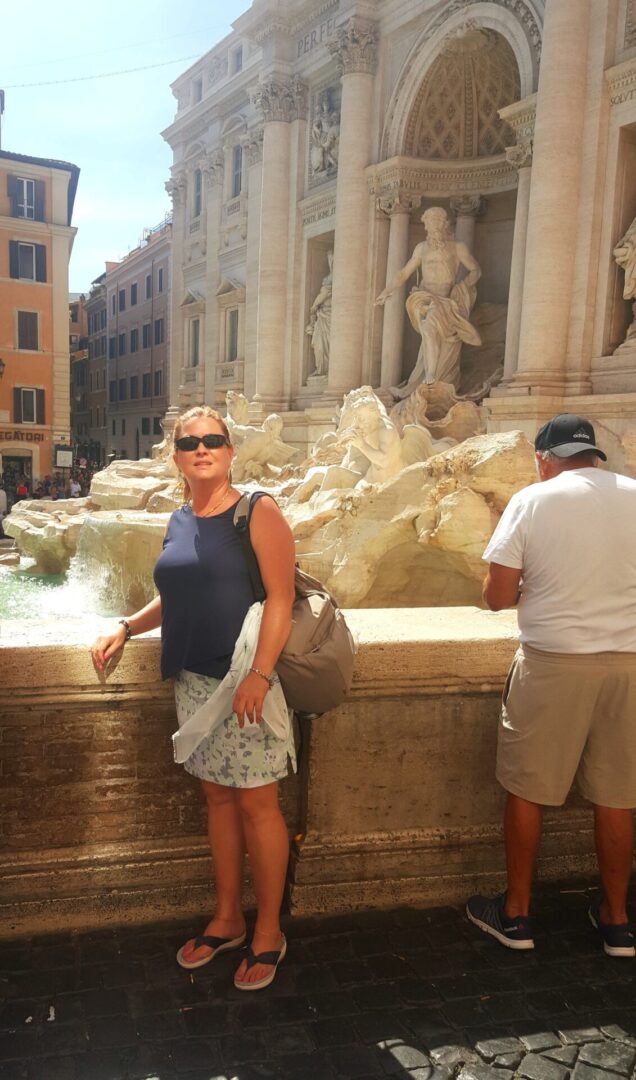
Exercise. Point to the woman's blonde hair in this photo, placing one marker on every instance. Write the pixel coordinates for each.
(198, 412)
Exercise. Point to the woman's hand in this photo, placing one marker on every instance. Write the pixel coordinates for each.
(249, 698)
(104, 647)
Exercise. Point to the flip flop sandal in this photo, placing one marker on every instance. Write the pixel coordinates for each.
(217, 944)
(262, 958)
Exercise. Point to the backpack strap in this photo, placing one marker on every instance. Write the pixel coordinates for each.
(241, 520)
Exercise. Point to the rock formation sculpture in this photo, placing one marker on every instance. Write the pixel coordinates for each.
(259, 452)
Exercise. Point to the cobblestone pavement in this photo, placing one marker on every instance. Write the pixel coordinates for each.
(412, 995)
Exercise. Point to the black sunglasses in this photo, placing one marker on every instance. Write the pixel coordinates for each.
(191, 442)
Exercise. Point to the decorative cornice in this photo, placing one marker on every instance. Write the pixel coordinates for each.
(621, 81)
(402, 175)
(281, 99)
(521, 117)
(355, 46)
(273, 26)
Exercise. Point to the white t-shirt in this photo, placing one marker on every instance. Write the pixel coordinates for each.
(574, 539)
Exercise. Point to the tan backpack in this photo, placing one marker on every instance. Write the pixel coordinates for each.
(316, 665)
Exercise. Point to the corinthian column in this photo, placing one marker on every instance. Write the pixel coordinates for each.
(355, 50)
(176, 188)
(280, 101)
(398, 209)
(554, 198)
(467, 209)
(212, 169)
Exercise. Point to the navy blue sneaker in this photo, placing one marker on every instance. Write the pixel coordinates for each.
(488, 914)
(618, 939)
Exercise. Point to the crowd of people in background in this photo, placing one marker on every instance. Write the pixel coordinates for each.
(69, 484)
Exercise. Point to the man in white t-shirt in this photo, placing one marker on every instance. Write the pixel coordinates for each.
(564, 553)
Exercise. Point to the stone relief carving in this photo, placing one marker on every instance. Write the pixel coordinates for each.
(213, 167)
(319, 328)
(520, 9)
(355, 46)
(217, 69)
(520, 155)
(259, 452)
(439, 306)
(252, 144)
(281, 99)
(325, 138)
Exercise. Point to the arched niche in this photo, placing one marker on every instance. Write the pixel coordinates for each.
(519, 35)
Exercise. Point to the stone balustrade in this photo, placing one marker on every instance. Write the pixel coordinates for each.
(395, 802)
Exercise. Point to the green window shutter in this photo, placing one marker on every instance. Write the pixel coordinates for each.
(40, 262)
(14, 260)
(17, 404)
(39, 200)
(39, 406)
(12, 192)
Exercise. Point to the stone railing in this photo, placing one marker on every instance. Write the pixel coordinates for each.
(395, 802)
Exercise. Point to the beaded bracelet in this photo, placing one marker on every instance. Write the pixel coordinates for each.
(269, 679)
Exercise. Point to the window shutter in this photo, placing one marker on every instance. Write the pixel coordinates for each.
(40, 262)
(14, 261)
(17, 404)
(12, 192)
(39, 200)
(39, 406)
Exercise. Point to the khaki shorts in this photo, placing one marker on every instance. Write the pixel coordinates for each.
(568, 715)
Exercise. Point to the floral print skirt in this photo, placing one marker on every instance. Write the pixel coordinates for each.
(245, 757)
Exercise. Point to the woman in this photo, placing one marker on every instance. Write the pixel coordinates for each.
(204, 595)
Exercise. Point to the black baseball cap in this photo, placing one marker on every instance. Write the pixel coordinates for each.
(566, 435)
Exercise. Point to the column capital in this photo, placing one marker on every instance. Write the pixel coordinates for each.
(520, 155)
(355, 46)
(176, 188)
(280, 98)
(252, 144)
(467, 205)
(398, 202)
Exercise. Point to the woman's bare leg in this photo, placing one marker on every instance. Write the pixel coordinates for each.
(268, 848)
(225, 832)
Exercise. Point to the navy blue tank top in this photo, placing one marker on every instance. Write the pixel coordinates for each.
(205, 590)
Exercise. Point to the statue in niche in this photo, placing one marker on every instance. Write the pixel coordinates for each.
(440, 305)
(325, 138)
(319, 327)
(259, 452)
(625, 255)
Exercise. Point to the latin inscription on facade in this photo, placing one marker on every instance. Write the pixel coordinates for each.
(317, 36)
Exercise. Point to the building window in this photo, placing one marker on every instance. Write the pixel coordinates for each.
(27, 261)
(197, 91)
(28, 330)
(114, 429)
(91, 380)
(134, 340)
(160, 279)
(148, 286)
(158, 331)
(122, 344)
(123, 427)
(145, 425)
(112, 348)
(104, 416)
(237, 168)
(28, 405)
(102, 319)
(158, 382)
(145, 384)
(134, 386)
(113, 303)
(133, 294)
(156, 425)
(112, 392)
(26, 198)
(194, 342)
(196, 202)
(232, 335)
(122, 299)
(145, 335)
(122, 389)
(237, 60)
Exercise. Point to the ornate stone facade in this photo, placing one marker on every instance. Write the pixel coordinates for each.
(281, 99)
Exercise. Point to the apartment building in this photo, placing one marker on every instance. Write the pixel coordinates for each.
(78, 353)
(97, 327)
(36, 238)
(138, 333)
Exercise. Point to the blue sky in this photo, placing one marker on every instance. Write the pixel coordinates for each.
(110, 127)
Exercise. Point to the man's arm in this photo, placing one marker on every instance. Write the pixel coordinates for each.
(501, 587)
